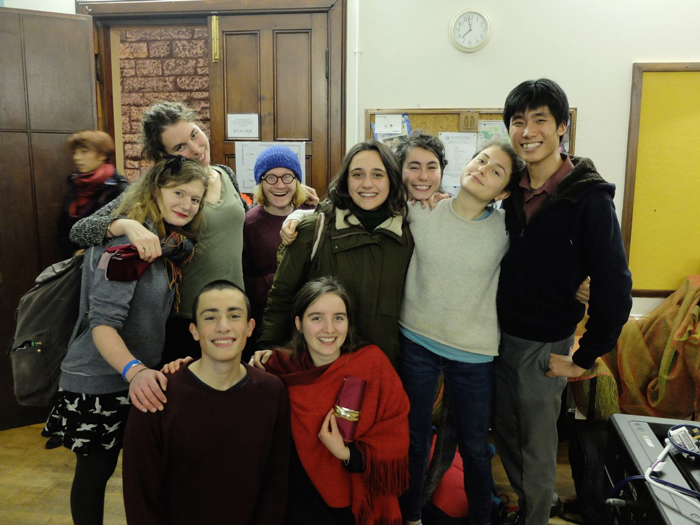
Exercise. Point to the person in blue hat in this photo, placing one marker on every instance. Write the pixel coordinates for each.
(278, 192)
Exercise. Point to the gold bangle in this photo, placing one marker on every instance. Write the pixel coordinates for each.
(346, 413)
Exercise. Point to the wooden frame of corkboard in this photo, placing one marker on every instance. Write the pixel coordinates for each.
(660, 222)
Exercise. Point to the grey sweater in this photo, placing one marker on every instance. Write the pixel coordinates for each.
(138, 311)
(450, 291)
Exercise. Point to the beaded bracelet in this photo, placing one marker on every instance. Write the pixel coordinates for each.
(129, 366)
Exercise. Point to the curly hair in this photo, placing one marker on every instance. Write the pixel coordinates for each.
(155, 120)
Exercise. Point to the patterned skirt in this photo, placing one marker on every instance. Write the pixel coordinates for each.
(87, 421)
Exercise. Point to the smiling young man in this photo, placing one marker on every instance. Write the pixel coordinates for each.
(563, 227)
(218, 453)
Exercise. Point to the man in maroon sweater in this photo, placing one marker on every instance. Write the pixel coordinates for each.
(218, 453)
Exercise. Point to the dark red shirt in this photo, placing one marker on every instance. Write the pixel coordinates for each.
(533, 198)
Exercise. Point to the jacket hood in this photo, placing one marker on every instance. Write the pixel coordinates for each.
(583, 179)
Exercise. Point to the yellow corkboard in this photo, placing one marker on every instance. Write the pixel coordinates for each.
(662, 228)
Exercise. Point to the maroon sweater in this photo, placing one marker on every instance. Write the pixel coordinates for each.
(261, 238)
(210, 457)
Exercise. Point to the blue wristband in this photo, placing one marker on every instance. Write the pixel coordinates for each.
(129, 366)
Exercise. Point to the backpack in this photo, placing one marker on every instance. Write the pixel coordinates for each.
(46, 318)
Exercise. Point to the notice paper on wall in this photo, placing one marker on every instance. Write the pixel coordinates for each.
(242, 126)
(387, 124)
(247, 153)
(459, 149)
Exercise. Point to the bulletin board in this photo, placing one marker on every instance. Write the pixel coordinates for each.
(661, 219)
(433, 121)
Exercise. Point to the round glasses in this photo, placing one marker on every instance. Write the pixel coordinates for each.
(272, 179)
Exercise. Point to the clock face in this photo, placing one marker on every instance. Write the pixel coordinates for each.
(470, 30)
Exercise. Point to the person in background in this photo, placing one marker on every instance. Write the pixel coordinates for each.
(94, 184)
(121, 329)
(219, 452)
(278, 192)
(335, 481)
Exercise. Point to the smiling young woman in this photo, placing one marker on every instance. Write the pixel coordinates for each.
(362, 239)
(171, 129)
(278, 192)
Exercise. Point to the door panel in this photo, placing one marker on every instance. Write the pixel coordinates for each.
(58, 69)
(242, 78)
(13, 114)
(292, 85)
(274, 65)
(59, 60)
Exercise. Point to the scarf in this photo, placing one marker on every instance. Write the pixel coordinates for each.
(85, 186)
(381, 437)
(122, 263)
(178, 250)
(370, 219)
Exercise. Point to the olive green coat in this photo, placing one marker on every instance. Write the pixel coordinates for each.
(371, 265)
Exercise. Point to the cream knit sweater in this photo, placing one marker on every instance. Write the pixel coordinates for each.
(450, 290)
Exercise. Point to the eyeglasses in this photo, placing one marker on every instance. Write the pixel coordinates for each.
(272, 179)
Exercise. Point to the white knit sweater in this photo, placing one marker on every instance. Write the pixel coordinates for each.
(450, 290)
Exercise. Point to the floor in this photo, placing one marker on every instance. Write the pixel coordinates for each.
(35, 482)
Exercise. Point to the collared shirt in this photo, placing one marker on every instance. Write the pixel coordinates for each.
(533, 198)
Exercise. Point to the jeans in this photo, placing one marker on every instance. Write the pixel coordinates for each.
(471, 387)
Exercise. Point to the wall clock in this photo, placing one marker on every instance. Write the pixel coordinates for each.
(470, 30)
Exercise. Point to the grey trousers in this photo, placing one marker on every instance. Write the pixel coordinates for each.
(526, 409)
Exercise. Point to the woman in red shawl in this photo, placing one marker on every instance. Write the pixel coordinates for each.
(333, 481)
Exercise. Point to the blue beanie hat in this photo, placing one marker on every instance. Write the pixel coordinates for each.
(276, 157)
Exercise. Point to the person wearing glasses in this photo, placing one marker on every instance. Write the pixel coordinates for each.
(278, 192)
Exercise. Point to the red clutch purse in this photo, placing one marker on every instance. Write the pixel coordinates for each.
(122, 263)
(347, 406)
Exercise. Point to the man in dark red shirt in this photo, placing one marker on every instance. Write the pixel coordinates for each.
(563, 227)
(219, 452)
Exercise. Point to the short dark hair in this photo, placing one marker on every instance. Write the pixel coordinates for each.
(338, 194)
(418, 139)
(92, 139)
(221, 284)
(307, 295)
(533, 94)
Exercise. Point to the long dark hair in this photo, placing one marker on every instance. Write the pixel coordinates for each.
(155, 120)
(309, 293)
(338, 194)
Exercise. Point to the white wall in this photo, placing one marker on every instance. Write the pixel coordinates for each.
(588, 47)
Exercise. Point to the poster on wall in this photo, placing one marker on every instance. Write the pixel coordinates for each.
(247, 153)
(459, 149)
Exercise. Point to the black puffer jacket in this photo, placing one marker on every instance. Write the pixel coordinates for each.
(574, 234)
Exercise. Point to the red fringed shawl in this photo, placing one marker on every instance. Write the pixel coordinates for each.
(382, 432)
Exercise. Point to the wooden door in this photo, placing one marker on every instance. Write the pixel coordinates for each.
(47, 92)
(275, 66)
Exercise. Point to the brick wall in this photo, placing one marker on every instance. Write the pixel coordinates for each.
(158, 65)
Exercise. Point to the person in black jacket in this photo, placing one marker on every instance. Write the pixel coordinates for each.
(94, 184)
(563, 227)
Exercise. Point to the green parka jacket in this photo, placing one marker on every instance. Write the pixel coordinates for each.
(371, 265)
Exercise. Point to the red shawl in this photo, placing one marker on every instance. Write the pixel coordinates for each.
(382, 432)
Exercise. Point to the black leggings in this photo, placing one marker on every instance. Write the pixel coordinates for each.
(87, 496)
